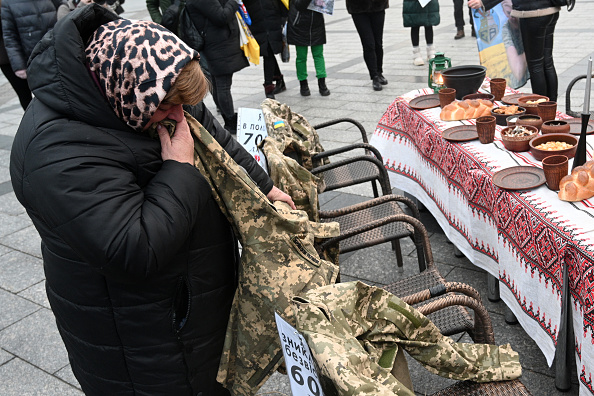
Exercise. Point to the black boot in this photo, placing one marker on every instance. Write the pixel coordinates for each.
(377, 85)
(231, 124)
(304, 88)
(269, 90)
(382, 79)
(280, 84)
(324, 91)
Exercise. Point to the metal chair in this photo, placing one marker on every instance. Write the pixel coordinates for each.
(469, 388)
(358, 169)
(373, 222)
(568, 110)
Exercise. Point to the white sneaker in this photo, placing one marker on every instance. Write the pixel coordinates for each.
(430, 52)
(417, 59)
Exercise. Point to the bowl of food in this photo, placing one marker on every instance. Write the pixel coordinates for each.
(555, 126)
(464, 79)
(474, 96)
(517, 138)
(553, 144)
(501, 113)
(529, 119)
(530, 102)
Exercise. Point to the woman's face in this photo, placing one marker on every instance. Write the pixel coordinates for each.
(166, 111)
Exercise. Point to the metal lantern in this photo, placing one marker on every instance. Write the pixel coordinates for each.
(436, 66)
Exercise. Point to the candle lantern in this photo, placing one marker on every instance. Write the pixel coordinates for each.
(436, 66)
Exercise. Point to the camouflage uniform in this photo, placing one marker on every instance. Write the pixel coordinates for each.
(355, 330)
(278, 262)
(297, 138)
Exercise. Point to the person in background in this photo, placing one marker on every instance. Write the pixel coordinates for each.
(222, 51)
(306, 29)
(459, 18)
(140, 262)
(368, 17)
(538, 19)
(19, 85)
(414, 16)
(24, 22)
(156, 8)
(267, 22)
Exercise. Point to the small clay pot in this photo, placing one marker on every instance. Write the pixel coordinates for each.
(555, 126)
(511, 120)
(530, 119)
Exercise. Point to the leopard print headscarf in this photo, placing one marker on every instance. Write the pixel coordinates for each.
(136, 63)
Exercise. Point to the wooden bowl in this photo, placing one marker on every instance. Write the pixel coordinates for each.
(518, 143)
(475, 96)
(501, 119)
(531, 108)
(539, 154)
(529, 119)
(555, 126)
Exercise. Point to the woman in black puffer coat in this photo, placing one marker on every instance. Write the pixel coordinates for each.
(369, 17)
(306, 28)
(538, 19)
(267, 23)
(140, 262)
(222, 51)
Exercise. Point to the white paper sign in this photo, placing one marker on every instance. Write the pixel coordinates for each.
(303, 377)
(251, 130)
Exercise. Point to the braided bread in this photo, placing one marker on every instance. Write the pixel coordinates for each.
(578, 185)
(466, 109)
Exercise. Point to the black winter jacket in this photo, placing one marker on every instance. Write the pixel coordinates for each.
(24, 22)
(216, 18)
(365, 6)
(267, 22)
(305, 27)
(140, 263)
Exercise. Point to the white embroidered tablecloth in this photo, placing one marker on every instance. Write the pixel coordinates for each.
(520, 237)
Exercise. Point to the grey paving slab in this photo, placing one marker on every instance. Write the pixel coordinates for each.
(14, 308)
(21, 378)
(5, 356)
(26, 240)
(36, 340)
(36, 294)
(10, 205)
(66, 375)
(12, 224)
(18, 271)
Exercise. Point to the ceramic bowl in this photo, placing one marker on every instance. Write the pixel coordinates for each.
(518, 143)
(531, 108)
(529, 119)
(555, 126)
(474, 96)
(539, 154)
(464, 79)
(501, 119)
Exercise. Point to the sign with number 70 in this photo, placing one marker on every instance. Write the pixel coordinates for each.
(251, 131)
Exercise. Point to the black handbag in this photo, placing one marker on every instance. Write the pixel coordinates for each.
(171, 16)
(189, 33)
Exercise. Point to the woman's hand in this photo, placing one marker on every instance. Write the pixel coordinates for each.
(475, 3)
(180, 146)
(277, 195)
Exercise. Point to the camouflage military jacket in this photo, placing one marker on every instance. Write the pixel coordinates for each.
(354, 331)
(297, 138)
(278, 262)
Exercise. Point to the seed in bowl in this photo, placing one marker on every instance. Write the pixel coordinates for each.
(518, 131)
(553, 146)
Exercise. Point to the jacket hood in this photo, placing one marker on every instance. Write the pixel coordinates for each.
(112, 95)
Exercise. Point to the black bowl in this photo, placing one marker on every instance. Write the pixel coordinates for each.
(464, 79)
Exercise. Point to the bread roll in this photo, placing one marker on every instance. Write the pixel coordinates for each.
(578, 185)
(466, 109)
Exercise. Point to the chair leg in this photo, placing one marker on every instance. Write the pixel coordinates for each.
(374, 187)
(398, 252)
(420, 253)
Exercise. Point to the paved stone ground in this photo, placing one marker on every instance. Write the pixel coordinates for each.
(33, 360)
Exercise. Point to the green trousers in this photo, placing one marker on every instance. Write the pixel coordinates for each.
(317, 52)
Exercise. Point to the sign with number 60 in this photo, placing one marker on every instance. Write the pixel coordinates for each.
(303, 375)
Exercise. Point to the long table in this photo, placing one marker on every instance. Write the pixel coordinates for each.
(523, 238)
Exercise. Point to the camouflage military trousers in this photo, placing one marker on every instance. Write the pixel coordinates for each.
(355, 330)
(278, 262)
